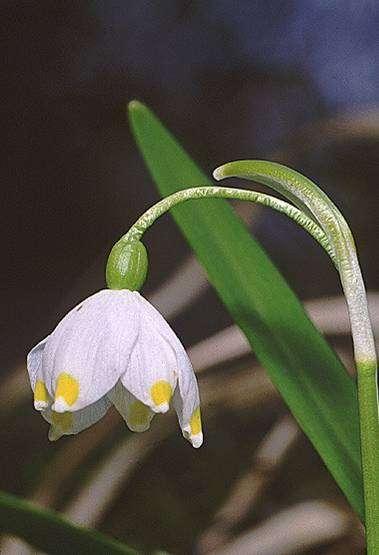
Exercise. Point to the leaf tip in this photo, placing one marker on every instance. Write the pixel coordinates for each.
(134, 105)
(218, 173)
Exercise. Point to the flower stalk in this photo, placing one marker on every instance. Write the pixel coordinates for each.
(305, 194)
(143, 223)
(311, 208)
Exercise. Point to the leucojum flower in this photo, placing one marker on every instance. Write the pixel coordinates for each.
(113, 348)
(116, 348)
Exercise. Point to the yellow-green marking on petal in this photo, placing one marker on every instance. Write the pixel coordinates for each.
(139, 416)
(61, 422)
(41, 396)
(66, 392)
(161, 393)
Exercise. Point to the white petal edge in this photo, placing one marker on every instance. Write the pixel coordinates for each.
(187, 400)
(34, 362)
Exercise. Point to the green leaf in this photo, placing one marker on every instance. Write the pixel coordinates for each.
(301, 364)
(48, 531)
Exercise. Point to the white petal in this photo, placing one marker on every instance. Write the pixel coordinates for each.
(34, 362)
(149, 312)
(70, 423)
(88, 350)
(187, 400)
(37, 381)
(151, 374)
(136, 415)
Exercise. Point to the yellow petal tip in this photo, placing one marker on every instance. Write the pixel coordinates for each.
(67, 388)
(161, 393)
(41, 396)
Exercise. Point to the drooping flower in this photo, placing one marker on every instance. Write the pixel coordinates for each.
(113, 348)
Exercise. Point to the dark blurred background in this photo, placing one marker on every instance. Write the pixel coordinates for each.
(292, 81)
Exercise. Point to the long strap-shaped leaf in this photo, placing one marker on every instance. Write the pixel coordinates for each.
(306, 371)
(48, 531)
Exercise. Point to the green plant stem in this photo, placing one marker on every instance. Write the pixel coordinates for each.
(197, 193)
(369, 430)
(366, 364)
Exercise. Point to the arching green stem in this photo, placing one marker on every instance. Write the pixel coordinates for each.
(148, 218)
(307, 196)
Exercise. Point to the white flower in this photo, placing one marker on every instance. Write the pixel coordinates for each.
(113, 348)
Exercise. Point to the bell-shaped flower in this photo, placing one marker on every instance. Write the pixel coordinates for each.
(113, 348)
